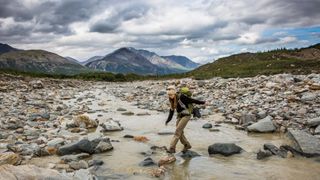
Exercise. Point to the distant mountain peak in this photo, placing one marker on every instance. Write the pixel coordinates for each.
(4, 48)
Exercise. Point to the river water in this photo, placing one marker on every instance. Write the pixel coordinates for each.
(123, 161)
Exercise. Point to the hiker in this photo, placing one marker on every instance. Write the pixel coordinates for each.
(182, 102)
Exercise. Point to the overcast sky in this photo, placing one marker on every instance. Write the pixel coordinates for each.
(202, 30)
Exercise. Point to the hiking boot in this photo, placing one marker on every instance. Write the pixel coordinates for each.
(171, 151)
(186, 148)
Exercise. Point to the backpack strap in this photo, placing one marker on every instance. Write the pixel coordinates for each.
(181, 103)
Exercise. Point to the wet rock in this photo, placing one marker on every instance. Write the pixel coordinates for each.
(79, 165)
(121, 109)
(9, 172)
(128, 136)
(76, 157)
(147, 162)
(84, 145)
(313, 122)
(188, 154)
(111, 125)
(166, 132)
(214, 130)
(304, 143)
(262, 154)
(166, 160)
(275, 150)
(84, 122)
(207, 126)
(128, 113)
(9, 158)
(143, 114)
(148, 153)
(263, 126)
(95, 162)
(225, 149)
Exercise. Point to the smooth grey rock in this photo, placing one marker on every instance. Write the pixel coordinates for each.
(308, 97)
(128, 113)
(225, 149)
(305, 143)
(79, 165)
(207, 126)
(56, 142)
(147, 162)
(275, 150)
(263, 126)
(95, 162)
(128, 136)
(103, 146)
(111, 125)
(84, 145)
(121, 109)
(313, 122)
(188, 154)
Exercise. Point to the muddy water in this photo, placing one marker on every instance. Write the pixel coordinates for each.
(123, 161)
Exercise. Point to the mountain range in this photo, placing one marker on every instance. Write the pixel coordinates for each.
(39, 61)
(124, 60)
(130, 60)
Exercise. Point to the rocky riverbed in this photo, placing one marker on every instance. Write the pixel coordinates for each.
(83, 130)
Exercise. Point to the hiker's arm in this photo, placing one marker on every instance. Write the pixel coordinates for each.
(170, 116)
(190, 100)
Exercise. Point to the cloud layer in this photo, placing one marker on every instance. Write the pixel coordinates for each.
(202, 30)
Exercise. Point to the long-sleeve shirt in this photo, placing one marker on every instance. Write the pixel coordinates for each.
(186, 101)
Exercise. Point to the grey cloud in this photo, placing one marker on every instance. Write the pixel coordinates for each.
(15, 9)
(294, 11)
(110, 24)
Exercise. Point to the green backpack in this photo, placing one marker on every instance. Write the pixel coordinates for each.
(188, 108)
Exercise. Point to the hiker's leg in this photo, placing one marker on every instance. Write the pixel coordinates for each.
(183, 138)
(179, 131)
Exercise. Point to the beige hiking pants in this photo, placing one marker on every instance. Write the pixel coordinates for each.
(180, 125)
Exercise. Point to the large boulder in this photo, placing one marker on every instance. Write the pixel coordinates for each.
(225, 149)
(313, 122)
(84, 121)
(10, 172)
(110, 125)
(263, 126)
(188, 154)
(305, 143)
(98, 145)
